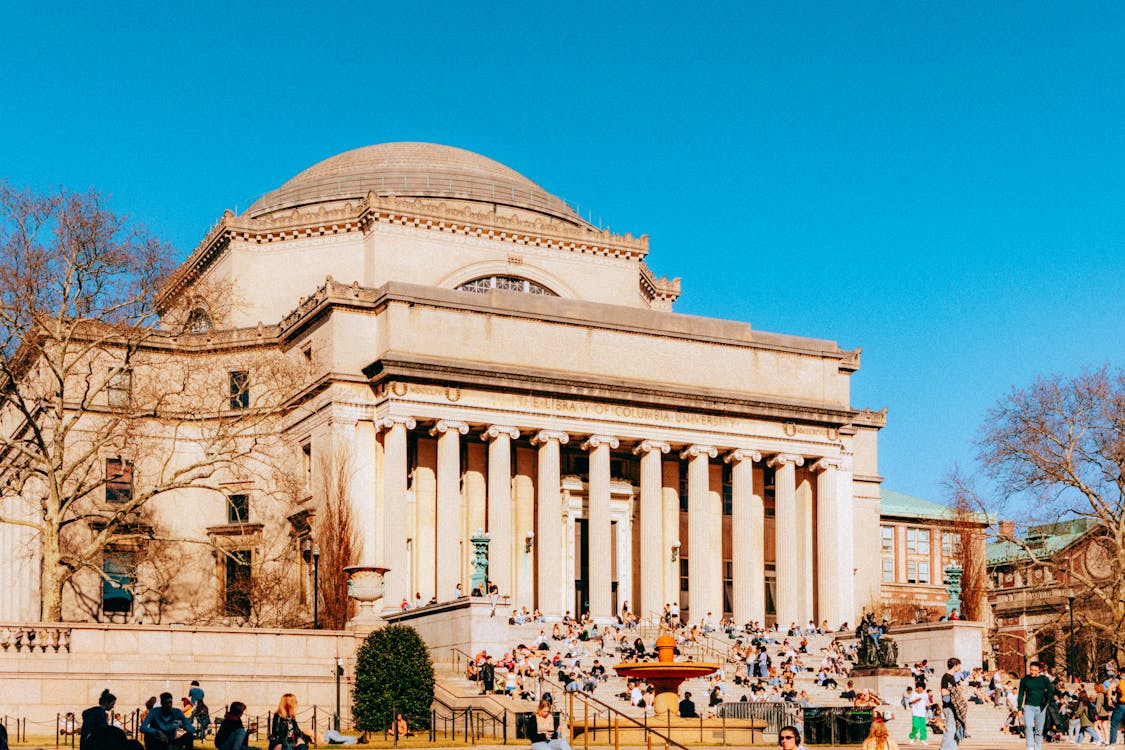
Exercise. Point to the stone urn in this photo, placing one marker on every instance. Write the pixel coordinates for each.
(365, 586)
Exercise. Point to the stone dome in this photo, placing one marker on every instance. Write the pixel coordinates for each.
(427, 170)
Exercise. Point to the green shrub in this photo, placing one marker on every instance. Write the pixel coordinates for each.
(393, 674)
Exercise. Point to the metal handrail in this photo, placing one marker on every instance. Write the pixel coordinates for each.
(615, 713)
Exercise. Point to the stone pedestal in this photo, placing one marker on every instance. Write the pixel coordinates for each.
(889, 684)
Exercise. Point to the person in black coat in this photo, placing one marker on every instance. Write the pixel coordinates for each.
(94, 718)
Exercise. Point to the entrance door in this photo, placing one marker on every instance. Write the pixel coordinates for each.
(581, 566)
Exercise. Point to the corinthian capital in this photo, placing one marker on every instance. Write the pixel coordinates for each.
(648, 446)
(786, 458)
(544, 436)
(387, 423)
(699, 450)
(738, 455)
(444, 425)
(496, 430)
(595, 441)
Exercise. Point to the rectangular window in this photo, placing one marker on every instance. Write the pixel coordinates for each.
(118, 480)
(236, 595)
(239, 389)
(917, 571)
(888, 570)
(238, 508)
(728, 586)
(888, 536)
(728, 489)
(119, 390)
(950, 545)
(117, 585)
(684, 600)
(683, 486)
(918, 541)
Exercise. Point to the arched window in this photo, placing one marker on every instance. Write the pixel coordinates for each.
(510, 283)
(198, 321)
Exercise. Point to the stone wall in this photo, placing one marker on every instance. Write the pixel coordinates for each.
(49, 669)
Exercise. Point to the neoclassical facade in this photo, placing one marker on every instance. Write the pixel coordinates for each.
(490, 365)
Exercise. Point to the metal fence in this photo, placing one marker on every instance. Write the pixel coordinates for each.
(823, 725)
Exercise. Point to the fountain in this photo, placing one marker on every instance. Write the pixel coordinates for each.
(665, 675)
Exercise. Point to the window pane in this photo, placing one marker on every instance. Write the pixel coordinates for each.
(888, 536)
(238, 509)
(117, 593)
(923, 572)
(240, 389)
(118, 480)
(237, 593)
(888, 570)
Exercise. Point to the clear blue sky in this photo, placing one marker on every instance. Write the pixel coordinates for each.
(942, 184)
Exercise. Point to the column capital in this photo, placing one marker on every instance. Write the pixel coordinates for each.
(693, 451)
(786, 458)
(648, 446)
(445, 425)
(596, 441)
(387, 423)
(831, 462)
(543, 436)
(496, 430)
(738, 455)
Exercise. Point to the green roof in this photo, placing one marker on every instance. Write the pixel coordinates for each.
(899, 504)
(1044, 540)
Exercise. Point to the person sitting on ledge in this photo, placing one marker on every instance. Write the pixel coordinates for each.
(543, 734)
(687, 707)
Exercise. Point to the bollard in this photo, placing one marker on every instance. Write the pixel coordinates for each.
(616, 732)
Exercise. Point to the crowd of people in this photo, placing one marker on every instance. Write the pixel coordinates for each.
(163, 725)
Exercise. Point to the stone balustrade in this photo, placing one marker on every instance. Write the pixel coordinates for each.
(40, 638)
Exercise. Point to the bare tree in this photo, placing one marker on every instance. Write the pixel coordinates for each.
(1059, 447)
(103, 406)
(339, 541)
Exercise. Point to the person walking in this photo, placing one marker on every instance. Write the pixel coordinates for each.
(953, 706)
(1034, 697)
(919, 704)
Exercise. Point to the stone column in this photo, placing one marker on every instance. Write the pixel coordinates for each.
(828, 541)
(598, 525)
(655, 550)
(450, 509)
(549, 542)
(500, 509)
(785, 522)
(361, 491)
(705, 564)
(670, 505)
(395, 583)
(748, 553)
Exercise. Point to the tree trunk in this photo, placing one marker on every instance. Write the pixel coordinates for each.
(52, 577)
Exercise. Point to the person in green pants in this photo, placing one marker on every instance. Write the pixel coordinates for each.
(919, 704)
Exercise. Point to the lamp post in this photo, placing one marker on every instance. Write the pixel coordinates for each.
(339, 674)
(310, 551)
(1070, 635)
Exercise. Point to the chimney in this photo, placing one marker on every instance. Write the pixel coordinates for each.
(1008, 529)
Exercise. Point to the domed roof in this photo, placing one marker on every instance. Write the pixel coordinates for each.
(417, 170)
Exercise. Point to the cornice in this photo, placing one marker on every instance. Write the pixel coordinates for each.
(406, 367)
(439, 216)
